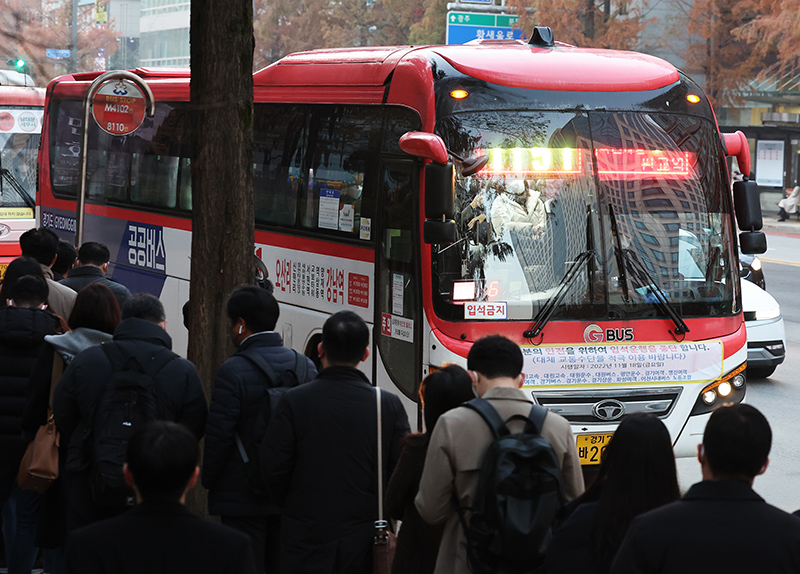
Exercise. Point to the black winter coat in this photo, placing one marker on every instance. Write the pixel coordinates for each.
(22, 332)
(238, 398)
(321, 462)
(418, 542)
(81, 388)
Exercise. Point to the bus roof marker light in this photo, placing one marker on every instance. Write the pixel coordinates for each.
(693, 99)
(459, 94)
(542, 36)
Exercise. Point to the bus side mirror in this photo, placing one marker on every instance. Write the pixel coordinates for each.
(736, 145)
(440, 191)
(747, 205)
(439, 232)
(753, 242)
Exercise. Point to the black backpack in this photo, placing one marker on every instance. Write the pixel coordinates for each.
(129, 400)
(518, 497)
(278, 385)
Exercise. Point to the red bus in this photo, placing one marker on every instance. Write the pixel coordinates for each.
(577, 201)
(21, 110)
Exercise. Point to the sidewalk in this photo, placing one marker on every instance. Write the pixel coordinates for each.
(789, 227)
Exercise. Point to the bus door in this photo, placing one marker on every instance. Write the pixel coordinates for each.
(398, 340)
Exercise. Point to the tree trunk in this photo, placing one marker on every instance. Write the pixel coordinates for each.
(222, 43)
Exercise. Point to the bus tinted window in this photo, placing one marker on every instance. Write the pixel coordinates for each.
(142, 168)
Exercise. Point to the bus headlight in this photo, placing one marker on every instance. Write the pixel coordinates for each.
(766, 314)
(727, 390)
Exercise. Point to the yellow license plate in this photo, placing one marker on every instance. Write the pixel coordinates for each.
(591, 447)
(3, 270)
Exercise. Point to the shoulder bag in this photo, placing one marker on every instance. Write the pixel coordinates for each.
(39, 467)
(385, 540)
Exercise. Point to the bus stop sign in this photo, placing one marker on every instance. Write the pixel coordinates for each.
(119, 107)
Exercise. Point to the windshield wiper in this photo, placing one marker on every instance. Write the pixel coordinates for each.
(661, 301)
(623, 277)
(546, 312)
(12, 181)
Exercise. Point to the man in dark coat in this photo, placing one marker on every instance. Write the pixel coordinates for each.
(180, 393)
(321, 457)
(91, 268)
(159, 535)
(23, 326)
(239, 396)
(720, 524)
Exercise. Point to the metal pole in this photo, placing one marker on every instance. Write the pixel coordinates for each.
(88, 100)
(74, 50)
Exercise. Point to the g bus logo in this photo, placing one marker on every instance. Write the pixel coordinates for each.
(596, 334)
(593, 334)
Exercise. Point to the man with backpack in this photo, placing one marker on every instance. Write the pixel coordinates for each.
(497, 471)
(247, 388)
(110, 390)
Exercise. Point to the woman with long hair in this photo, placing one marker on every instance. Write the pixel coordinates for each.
(92, 321)
(418, 542)
(637, 474)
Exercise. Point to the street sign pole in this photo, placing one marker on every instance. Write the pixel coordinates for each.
(88, 101)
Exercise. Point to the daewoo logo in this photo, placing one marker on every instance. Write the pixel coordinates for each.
(596, 334)
(4, 230)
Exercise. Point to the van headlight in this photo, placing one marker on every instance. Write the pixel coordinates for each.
(766, 314)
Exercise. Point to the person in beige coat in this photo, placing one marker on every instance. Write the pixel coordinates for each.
(461, 438)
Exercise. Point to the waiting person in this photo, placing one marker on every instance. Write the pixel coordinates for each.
(140, 338)
(94, 317)
(66, 256)
(637, 474)
(238, 402)
(789, 204)
(24, 324)
(461, 439)
(321, 457)
(159, 535)
(42, 244)
(16, 269)
(720, 524)
(92, 266)
(418, 542)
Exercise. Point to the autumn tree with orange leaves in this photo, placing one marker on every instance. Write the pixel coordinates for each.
(286, 26)
(28, 30)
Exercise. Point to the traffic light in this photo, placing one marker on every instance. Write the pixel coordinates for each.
(17, 63)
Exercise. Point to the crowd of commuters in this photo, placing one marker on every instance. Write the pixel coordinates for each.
(293, 455)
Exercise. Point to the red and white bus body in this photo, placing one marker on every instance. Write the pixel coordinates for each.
(621, 182)
(21, 110)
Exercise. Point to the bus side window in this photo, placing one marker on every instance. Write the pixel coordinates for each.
(278, 140)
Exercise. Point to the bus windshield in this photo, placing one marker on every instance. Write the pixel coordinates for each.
(18, 155)
(609, 214)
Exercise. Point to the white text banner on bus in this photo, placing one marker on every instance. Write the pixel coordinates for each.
(645, 363)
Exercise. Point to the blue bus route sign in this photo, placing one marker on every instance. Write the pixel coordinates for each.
(465, 26)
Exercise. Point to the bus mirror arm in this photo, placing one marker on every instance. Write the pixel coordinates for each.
(736, 145)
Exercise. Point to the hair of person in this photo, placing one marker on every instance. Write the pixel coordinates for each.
(19, 267)
(737, 441)
(95, 308)
(443, 390)
(39, 243)
(65, 258)
(495, 356)
(143, 306)
(93, 253)
(345, 338)
(29, 291)
(255, 305)
(162, 456)
(637, 474)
